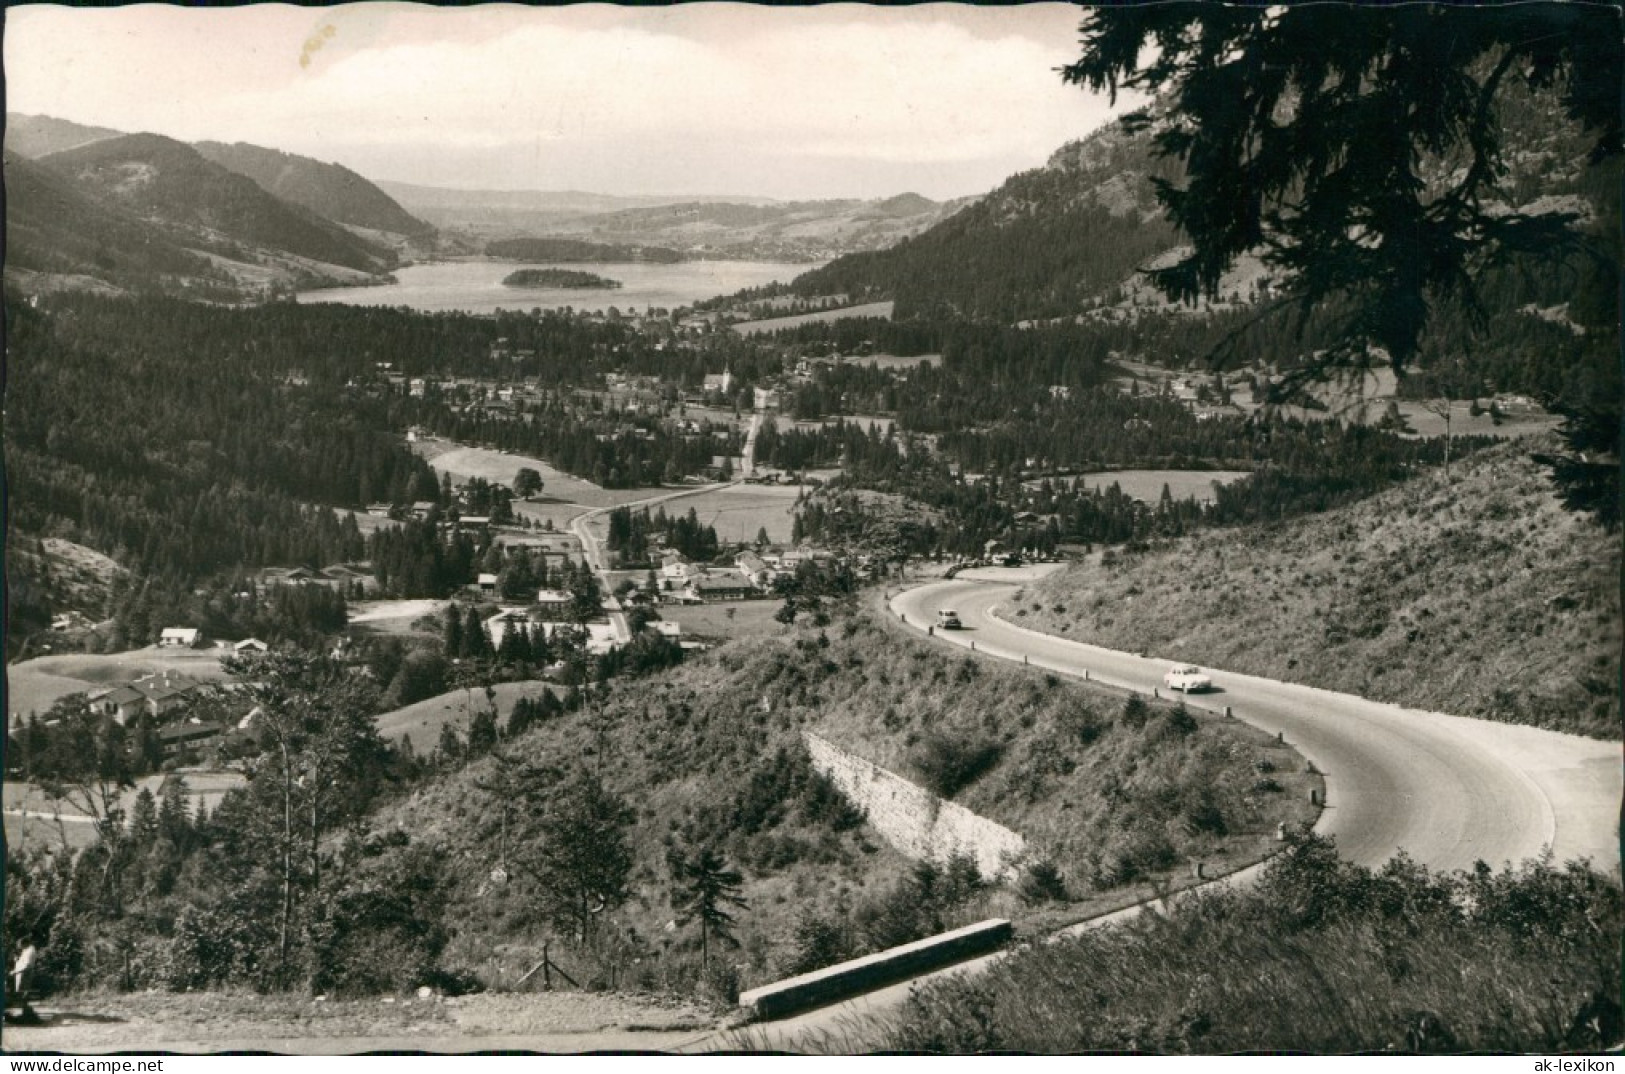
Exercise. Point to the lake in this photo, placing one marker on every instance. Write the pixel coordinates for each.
(476, 286)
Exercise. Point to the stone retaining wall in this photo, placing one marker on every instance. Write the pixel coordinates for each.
(912, 819)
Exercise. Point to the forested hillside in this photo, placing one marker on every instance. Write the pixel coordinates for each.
(170, 181)
(54, 229)
(149, 432)
(331, 190)
(1048, 243)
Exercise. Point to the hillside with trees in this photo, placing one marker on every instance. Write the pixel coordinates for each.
(1470, 590)
(1048, 243)
(330, 190)
(166, 180)
(53, 230)
(709, 760)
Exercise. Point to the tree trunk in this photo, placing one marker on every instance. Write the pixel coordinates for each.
(287, 866)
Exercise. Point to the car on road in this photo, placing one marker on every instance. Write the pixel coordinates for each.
(1185, 678)
(948, 619)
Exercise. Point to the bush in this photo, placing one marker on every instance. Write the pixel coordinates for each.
(948, 765)
(1180, 721)
(818, 942)
(1041, 882)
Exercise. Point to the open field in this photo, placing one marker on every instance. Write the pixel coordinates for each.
(422, 720)
(367, 524)
(893, 361)
(738, 511)
(466, 462)
(32, 817)
(871, 309)
(733, 619)
(33, 830)
(31, 690)
(1147, 484)
(393, 616)
(33, 685)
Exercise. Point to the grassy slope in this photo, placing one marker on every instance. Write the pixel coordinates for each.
(1473, 593)
(421, 721)
(1103, 811)
(681, 746)
(1321, 958)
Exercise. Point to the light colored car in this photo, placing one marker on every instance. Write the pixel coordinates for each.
(1185, 678)
(948, 619)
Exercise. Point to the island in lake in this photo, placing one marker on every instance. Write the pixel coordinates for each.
(554, 277)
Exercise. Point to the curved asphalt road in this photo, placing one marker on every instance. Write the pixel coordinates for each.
(1447, 790)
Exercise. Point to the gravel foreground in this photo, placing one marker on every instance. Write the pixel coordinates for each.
(215, 1022)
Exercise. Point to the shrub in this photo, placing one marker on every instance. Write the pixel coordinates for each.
(948, 765)
(1180, 721)
(1040, 882)
(818, 942)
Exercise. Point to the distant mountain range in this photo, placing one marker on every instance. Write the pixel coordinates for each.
(106, 210)
(40, 136)
(92, 207)
(714, 226)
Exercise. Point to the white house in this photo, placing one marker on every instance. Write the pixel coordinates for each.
(553, 604)
(179, 638)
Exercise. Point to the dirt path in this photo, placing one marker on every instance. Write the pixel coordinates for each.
(567, 1022)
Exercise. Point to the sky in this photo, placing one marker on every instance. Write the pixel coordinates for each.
(841, 100)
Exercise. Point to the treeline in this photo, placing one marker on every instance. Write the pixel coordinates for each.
(608, 451)
(578, 250)
(631, 536)
(229, 606)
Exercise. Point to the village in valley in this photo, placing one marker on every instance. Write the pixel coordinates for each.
(1021, 616)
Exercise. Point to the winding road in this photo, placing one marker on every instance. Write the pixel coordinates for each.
(1446, 790)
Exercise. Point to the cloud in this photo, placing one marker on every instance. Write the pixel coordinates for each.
(572, 90)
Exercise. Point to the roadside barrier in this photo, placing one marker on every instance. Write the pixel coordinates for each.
(846, 979)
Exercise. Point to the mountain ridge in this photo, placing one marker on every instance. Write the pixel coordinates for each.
(328, 189)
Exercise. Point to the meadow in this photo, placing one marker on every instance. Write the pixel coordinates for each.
(773, 324)
(1147, 485)
(34, 685)
(422, 721)
(464, 463)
